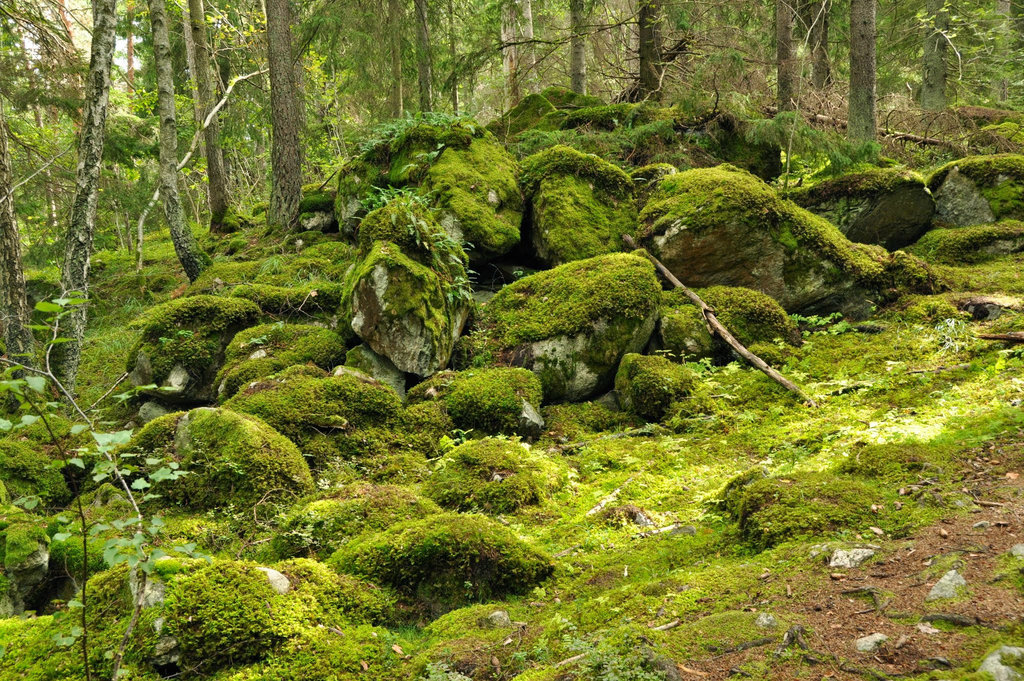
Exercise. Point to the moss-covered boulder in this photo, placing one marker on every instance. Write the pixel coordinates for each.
(571, 325)
(230, 459)
(751, 316)
(580, 204)
(24, 559)
(182, 343)
(321, 526)
(890, 207)
(28, 471)
(409, 295)
(530, 110)
(492, 475)
(316, 210)
(963, 245)
(565, 98)
(979, 189)
(364, 359)
(647, 385)
(723, 226)
(447, 560)
(260, 351)
(498, 400)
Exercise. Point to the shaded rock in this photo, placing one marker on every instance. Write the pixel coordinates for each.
(951, 585)
(26, 562)
(363, 358)
(979, 189)
(996, 663)
(277, 580)
(870, 643)
(849, 558)
(531, 423)
(498, 619)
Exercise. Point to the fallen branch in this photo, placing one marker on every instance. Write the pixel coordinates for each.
(665, 627)
(1012, 337)
(718, 329)
(610, 498)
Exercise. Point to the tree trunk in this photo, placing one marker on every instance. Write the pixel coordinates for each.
(191, 258)
(817, 24)
(423, 61)
(286, 152)
(129, 72)
(453, 54)
(510, 51)
(217, 180)
(395, 33)
(933, 77)
(78, 243)
(1005, 10)
(528, 58)
(649, 24)
(15, 315)
(785, 55)
(577, 47)
(861, 121)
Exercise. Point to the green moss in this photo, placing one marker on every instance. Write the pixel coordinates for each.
(487, 401)
(410, 225)
(315, 200)
(999, 177)
(897, 463)
(21, 541)
(648, 385)
(562, 160)
(447, 559)
(293, 301)
(1012, 132)
(26, 470)
(526, 114)
(492, 475)
(323, 525)
(612, 116)
(564, 98)
(865, 184)
(231, 459)
(975, 244)
(577, 421)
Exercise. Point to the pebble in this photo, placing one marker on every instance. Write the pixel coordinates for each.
(870, 643)
(850, 558)
(278, 581)
(993, 664)
(1017, 551)
(982, 525)
(498, 619)
(947, 587)
(766, 621)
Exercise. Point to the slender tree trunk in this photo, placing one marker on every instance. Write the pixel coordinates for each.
(129, 72)
(424, 67)
(62, 11)
(528, 59)
(191, 258)
(78, 243)
(1004, 9)
(785, 55)
(649, 21)
(190, 61)
(395, 33)
(217, 180)
(453, 54)
(510, 51)
(286, 150)
(15, 315)
(578, 46)
(861, 120)
(933, 77)
(816, 17)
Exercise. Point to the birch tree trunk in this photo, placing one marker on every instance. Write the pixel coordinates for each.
(78, 242)
(933, 76)
(577, 47)
(286, 150)
(424, 66)
(861, 120)
(785, 55)
(191, 258)
(15, 315)
(528, 58)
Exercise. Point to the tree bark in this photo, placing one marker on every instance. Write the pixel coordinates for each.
(395, 33)
(785, 55)
(286, 151)
(861, 120)
(577, 47)
(815, 21)
(15, 315)
(933, 76)
(191, 258)
(424, 67)
(217, 180)
(649, 25)
(453, 54)
(82, 226)
(528, 58)
(129, 72)
(510, 51)
(1005, 10)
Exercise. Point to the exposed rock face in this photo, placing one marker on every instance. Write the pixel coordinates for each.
(890, 208)
(25, 564)
(979, 189)
(363, 358)
(997, 663)
(960, 202)
(951, 585)
(849, 558)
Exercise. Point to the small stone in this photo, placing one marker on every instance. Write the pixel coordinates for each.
(530, 422)
(278, 581)
(176, 380)
(688, 530)
(259, 354)
(819, 550)
(982, 525)
(870, 643)
(994, 663)
(498, 619)
(850, 558)
(151, 410)
(926, 628)
(1017, 551)
(949, 586)
(766, 621)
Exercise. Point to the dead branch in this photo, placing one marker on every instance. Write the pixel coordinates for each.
(1011, 337)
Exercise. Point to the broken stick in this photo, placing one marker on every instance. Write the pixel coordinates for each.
(718, 329)
(1012, 337)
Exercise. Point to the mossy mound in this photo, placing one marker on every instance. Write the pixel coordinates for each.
(897, 463)
(231, 459)
(571, 325)
(564, 98)
(889, 207)
(182, 343)
(648, 385)
(723, 226)
(612, 116)
(529, 112)
(26, 471)
(581, 205)
(492, 475)
(1011, 133)
(321, 526)
(293, 301)
(751, 316)
(489, 401)
(447, 560)
(964, 245)
(979, 189)
(260, 351)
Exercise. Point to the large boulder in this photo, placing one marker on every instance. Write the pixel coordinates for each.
(25, 560)
(888, 207)
(979, 189)
(571, 325)
(723, 227)
(492, 401)
(963, 245)
(182, 343)
(580, 204)
(647, 385)
(409, 295)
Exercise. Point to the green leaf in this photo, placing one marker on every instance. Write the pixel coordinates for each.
(28, 419)
(37, 383)
(141, 484)
(76, 461)
(62, 536)
(78, 428)
(121, 437)
(5, 425)
(47, 306)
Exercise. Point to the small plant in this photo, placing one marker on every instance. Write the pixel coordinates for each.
(831, 325)
(953, 335)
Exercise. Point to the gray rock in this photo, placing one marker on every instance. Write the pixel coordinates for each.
(151, 410)
(686, 530)
(1017, 551)
(153, 592)
(166, 651)
(531, 424)
(610, 401)
(994, 663)
(959, 202)
(819, 550)
(981, 525)
(870, 643)
(363, 357)
(766, 621)
(849, 558)
(321, 221)
(278, 581)
(949, 586)
(498, 619)
(25, 575)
